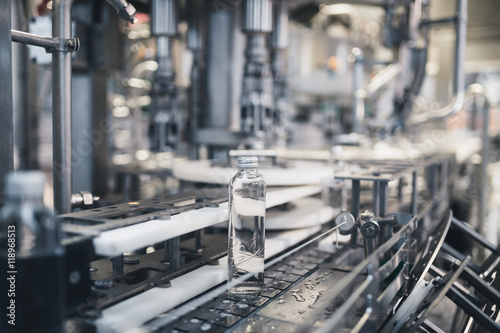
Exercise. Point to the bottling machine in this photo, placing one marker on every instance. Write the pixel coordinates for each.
(378, 210)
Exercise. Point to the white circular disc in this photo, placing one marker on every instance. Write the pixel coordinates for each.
(300, 173)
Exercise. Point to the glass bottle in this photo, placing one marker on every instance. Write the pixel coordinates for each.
(31, 259)
(247, 210)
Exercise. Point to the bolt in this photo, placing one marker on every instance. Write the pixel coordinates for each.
(131, 260)
(103, 284)
(370, 231)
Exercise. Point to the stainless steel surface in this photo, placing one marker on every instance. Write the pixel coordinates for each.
(258, 16)
(125, 10)
(61, 100)
(482, 106)
(457, 101)
(280, 33)
(7, 114)
(31, 39)
(164, 17)
(358, 103)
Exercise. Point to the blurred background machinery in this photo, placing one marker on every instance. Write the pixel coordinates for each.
(377, 128)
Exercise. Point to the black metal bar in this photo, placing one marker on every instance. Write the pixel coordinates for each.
(480, 285)
(117, 265)
(434, 299)
(173, 249)
(401, 184)
(414, 193)
(444, 20)
(383, 197)
(376, 198)
(385, 228)
(472, 310)
(484, 166)
(456, 254)
(7, 113)
(474, 235)
(356, 194)
(433, 179)
(61, 114)
(444, 176)
(199, 235)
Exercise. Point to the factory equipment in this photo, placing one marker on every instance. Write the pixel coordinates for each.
(365, 183)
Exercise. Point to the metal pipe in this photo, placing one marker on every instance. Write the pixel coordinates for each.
(164, 18)
(258, 16)
(32, 39)
(7, 113)
(475, 90)
(382, 78)
(457, 101)
(61, 114)
(280, 31)
(194, 43)
(358, 103)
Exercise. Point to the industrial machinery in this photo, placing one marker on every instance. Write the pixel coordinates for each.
(380, 215)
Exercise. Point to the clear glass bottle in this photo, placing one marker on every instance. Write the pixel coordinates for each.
(31, 259)
(247, 210)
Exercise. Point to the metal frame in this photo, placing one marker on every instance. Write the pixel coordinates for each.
(7, 112)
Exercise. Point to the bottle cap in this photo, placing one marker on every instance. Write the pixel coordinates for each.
(25, 184)
(248, 161)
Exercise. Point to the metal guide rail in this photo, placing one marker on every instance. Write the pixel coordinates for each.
(307, 287)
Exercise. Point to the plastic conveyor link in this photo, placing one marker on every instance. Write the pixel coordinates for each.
(126, 239)
(129, 315)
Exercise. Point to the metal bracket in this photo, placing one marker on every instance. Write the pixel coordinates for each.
(54, 44)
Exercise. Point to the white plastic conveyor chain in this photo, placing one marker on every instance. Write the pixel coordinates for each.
(118, 241)
(129, 315)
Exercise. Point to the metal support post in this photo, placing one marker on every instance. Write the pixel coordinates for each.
(6, 115)
(386, 228)
(356, 193)
(199, 235)
(61, 101)
(414, 193)
(117, 265)
(358, 103)
(376, 198)
(173, 252)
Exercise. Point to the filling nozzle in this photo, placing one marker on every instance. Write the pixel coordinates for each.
(125, 10)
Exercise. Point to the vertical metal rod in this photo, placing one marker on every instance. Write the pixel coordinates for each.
(7, 111)
(199, 235)
(414, 193)
(358, 107)
(61, 114)
(173, 249)
(484, 168)
(461, 29)
(383, 197)
(117, 265)
(401, 184)
(376, 198)
(433, 179)
(385, 228)
(444, 176)
(356, 193)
